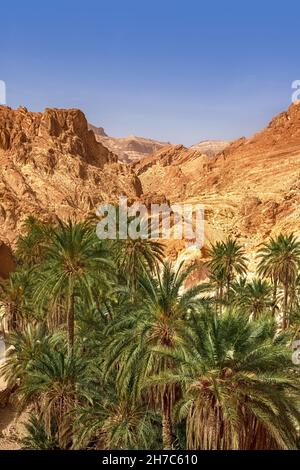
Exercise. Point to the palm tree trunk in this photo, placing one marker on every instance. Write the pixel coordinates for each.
(13, 315)
(274, 297)
(221, 296)
(70, 321)
(255, 313)
(285, 306)
(228, 287)
(166, 421)
(217, 299)
(71, 327)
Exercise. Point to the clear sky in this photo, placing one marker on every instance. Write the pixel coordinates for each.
(176, 70)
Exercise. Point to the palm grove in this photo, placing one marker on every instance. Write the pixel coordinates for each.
(108, 348)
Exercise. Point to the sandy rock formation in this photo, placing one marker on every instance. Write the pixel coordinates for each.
(51, 165)
(210, 148)
(128, 149)
(251, 190)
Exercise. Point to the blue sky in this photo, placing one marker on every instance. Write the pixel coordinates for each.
(181, 71)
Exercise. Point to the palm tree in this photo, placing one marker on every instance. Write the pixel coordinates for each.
(135, 255)
(114, 424)
(216, 284)
(14, 294)
(159, 321)
(279, 260)
(76, 262)
(31, 246)
(254, 297)
(36, 437)
(227, 259)
(239, 389)
(24, 347)
(153, 362)
(238, 288)
(268, 266)
(54, 382)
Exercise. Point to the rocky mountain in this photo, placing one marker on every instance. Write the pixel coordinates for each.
(251, 189)
(128, 149)
(52, 165)
(98, 131)
(210, 147)
(134, 149)
(172, 171)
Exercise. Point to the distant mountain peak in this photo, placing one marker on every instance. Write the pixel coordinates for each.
(128, 149)
(98, 131)
(210, 147)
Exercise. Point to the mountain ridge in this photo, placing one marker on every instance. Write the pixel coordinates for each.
(250, 190)
(128, 149)
(51, 164)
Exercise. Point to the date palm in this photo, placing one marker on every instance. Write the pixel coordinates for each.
(279, 260)
(254, 297)
(112, 423)
(54, 382)
(14, 295)
(268, 266)
(30, 248)
(227, 259)
(215, 287)
(132, 254)
(239, 389)
(75, 263)
(24, 347)
(135, 255)
(36, 437)
(159, 320)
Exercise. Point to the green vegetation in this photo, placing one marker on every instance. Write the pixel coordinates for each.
(110, 349)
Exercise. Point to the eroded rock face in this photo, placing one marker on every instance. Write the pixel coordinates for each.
(210, 148)
(173, 171)
(250, 190)
(128, 149)
(52, 133)
(51, 165)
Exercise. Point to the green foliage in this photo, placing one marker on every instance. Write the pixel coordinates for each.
(37, 438)
(279, 260)
(115, 423)
(238, 388)
(227, 260)
(253, 297)
(110, 348)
